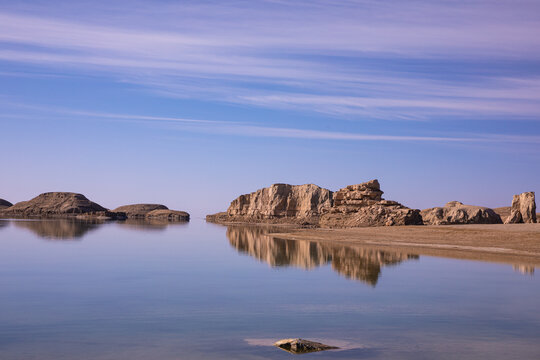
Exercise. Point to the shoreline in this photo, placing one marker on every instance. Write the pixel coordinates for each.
(500, 243)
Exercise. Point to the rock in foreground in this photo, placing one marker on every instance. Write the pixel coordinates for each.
(362, 205)
(279, 203)
(455, 212)
(53, 204)
(301, 346)
(4, 204)
(139, 211)
(523, 209)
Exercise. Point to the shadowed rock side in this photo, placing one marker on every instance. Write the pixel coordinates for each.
(139, 211)
(352, 262)
(60, 229)
(362, 205)
(279, 203)
(301, 346)
(503, 212)
(454, 213)
(523, 209)
(53, 204)
(4, 204)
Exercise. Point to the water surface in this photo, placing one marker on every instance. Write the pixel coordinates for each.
(135, 290)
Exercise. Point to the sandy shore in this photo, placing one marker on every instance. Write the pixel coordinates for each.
(508, 243)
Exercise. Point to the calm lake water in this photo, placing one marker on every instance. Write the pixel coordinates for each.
(202, 291)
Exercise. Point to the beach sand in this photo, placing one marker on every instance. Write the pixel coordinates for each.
(507, 243)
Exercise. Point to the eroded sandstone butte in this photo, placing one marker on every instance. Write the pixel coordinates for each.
(353, 206)
(54, 204)
(362, 205)
(456, 212)
(279, 203)
(523, 209)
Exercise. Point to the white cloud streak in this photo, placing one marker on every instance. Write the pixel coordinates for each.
(308, 56)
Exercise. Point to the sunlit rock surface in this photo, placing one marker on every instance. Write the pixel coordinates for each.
(523, 209)
(456, 212)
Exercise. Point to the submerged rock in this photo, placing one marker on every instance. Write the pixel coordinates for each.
(300, 346)
(53, 204)
(362, 205)
(523, 209)
(456, 212)
(139, 211)
(4, 204)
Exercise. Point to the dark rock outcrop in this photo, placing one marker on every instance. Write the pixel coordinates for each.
(523, 209)
(53, 204)
(139, 211)
(279, 203)
(362, 205)
(301, 346)
(4, 204)
(455, 212)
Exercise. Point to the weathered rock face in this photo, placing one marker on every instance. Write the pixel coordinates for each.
(4, 204)
(280, 203)
(166, 214)
(363, 205)
(455, 212)
(523, 209)
(53, 203)
(301, 346)
(139, 211)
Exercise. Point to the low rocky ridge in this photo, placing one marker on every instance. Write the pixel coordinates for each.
(279, 203)
(353, 206)
(166, 214)
(66, 204)
(523, 209)
(455, 212)
(139, 211)
(362, 205)
(4, 204)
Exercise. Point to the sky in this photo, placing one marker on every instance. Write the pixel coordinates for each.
(192, 103)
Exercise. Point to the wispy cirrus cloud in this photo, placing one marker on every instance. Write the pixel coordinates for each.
(387, 60)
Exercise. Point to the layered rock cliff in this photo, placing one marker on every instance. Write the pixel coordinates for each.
(456, 212)
(362, 205)
(523, 209)
(279, 203)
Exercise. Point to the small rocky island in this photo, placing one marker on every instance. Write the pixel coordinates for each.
(359, 205)
(77, 206)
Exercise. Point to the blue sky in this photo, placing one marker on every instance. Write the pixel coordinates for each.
(191, 103)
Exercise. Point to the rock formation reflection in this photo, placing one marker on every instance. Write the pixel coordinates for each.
(524, 269)
(58, 229)
(356, 263)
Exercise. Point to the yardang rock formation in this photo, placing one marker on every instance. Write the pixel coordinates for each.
(455, 212)
(363, 205)
(353, 206)
(4, 204)
(523, 209)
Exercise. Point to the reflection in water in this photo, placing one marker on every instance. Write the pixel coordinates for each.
(353, 262)
(61, 229)
(151, 224)
(524, 269)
